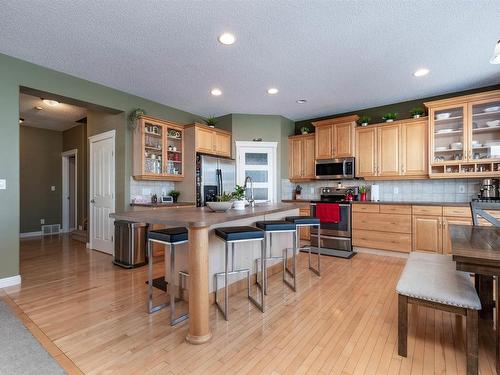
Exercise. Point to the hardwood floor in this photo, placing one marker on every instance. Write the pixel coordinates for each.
(94, 314)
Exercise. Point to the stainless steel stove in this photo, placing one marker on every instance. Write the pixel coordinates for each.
(336, 238)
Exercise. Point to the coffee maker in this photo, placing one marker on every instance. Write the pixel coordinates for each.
(489, 188)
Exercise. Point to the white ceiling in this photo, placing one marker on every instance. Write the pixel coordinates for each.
(339, 55)
(61, 117)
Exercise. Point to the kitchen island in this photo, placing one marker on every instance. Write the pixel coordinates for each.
(200, 222)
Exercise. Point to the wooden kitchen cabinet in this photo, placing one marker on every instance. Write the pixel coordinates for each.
(427, 233)
(301, 157)
(388, 150)
(464, 134)
(158, 150)
(366, 152)
(212, 141)
(305, 232)
(335, 137)
(397, 150)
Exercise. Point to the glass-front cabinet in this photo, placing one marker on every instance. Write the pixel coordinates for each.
(158, 150)
(465, 136)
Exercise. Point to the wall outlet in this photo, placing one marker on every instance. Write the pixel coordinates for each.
(42, 221)
(3, 184)
(461, 188)
(396, 190)
(52, 188)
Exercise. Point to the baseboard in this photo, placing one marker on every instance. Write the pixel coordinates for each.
(386, 253)
(10, 281)
(30, 234)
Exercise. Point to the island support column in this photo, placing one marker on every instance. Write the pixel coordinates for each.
(199, 323)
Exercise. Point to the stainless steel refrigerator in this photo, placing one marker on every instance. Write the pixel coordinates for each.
(214, 176)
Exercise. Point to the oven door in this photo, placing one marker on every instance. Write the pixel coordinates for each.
(335, 169)
(340, 229)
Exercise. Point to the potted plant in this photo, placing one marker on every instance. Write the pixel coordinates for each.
(297, 192)
(362, 193)
(390, 116)
(364, 120)
(133, 116)
(417, 112)
(175, 195)
(304, 130)
(239, 197)
(211, 121)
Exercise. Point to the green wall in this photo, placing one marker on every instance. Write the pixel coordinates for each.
(76, 138)
(40, 168)
(403, 108)
(270, 128)
(15, 73)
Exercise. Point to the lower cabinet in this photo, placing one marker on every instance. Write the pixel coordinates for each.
(305, 232)
(406, 228)
(427, 233)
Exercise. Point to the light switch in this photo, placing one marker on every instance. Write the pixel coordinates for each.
(53, 188)
(461, 188)
(3, 184)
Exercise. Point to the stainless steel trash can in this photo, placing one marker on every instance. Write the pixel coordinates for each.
(130, 244)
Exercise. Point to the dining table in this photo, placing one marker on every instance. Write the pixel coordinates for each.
(476, 249)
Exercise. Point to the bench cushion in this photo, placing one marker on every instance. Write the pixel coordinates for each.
(434, 279)
(303, 220)
(169, 235)
(275, 225)
(239, 233)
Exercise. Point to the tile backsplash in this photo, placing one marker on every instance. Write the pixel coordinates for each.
(148, 188)
(449, 190)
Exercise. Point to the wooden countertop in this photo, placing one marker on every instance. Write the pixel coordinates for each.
(475, 242)
(199, 216)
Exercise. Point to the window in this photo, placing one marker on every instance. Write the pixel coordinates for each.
(258, 161)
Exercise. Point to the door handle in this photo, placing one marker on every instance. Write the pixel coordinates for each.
(92, 201)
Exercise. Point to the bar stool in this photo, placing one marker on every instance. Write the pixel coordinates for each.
(306, 221)
(171, 237)
(271, 227)
(232, 235)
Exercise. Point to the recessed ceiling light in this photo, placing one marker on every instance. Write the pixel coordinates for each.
(216, 92)
(50, 102)
(421, 72)
(301, 101)
(272, 91)
(38, 108)
(227, 39)
(496, 54)
(21, 120)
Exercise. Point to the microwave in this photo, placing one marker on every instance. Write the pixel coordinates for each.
(335, 169)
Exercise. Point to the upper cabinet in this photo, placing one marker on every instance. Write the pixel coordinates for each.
(335, 137)
(158, 150)
(301, 157)
(396, 150)
(212, 141)
(465, 136)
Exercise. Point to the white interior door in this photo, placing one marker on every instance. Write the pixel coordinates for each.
(258, 160)
(102, 191)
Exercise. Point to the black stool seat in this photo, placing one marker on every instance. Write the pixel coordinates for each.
(303, 220)
(275, 225)
(239, 233)
(169, 235)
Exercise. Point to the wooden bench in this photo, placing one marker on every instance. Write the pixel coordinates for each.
(431, 280)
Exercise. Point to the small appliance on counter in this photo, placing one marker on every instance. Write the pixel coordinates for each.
(336, 237)
(166, 199)
(489, 188)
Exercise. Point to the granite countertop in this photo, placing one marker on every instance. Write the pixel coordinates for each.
(199, 216)
(453, 204)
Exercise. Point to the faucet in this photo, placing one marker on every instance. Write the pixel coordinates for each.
(251, 201)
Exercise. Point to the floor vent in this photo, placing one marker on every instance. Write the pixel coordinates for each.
(51, 229)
